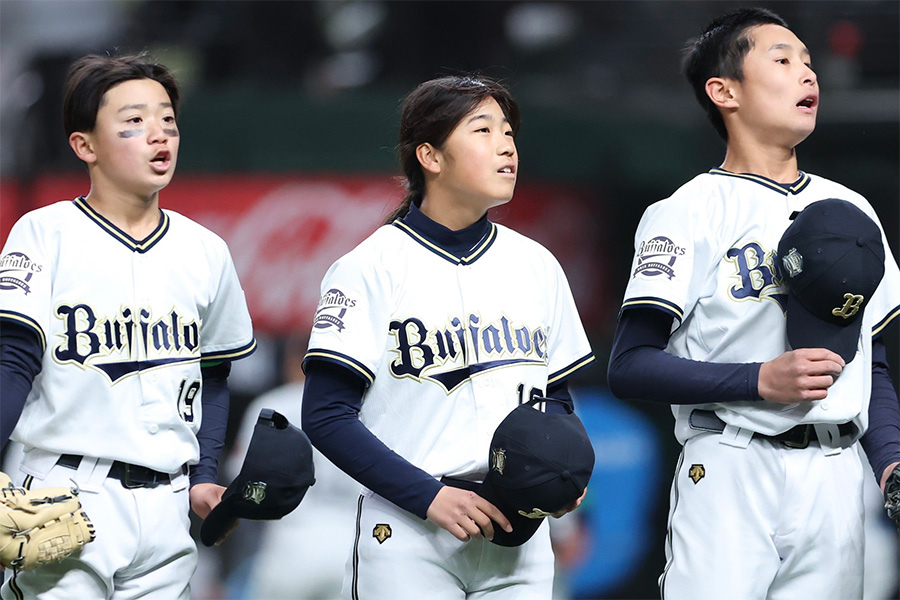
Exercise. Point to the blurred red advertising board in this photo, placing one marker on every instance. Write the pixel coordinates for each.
(284, 231)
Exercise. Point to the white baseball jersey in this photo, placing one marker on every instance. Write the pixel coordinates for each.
(707, 256)
(124, 324)
(449, 346)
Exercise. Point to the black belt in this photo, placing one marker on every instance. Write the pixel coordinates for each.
(796, 437)
(463, 484)
(131, 476)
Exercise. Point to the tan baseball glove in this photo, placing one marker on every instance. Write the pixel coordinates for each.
(42, 526)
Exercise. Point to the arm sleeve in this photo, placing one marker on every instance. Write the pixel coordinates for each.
(639, 367)
(216, 400)
(559, 391)
(882, 439)
(20, 363)
(332, 399)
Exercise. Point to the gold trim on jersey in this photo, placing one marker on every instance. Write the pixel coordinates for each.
(566, 372)
(239, 353)
(29, 323)
(794, 188)
(476, 253)
(886, 321)
(335, 357)
(136, 245)
(670, 308)
(354, 581)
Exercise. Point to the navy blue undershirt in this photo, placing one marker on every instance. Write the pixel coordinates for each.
(882, 439)
(333, 396)
(20, 363)
(640, 369)
(211, 436)
(459, 243)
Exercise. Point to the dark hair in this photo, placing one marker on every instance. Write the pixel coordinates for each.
(431, 112)
(720, 52)
(91, 76)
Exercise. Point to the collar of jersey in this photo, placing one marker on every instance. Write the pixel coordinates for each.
(459, 247)
(139, 246)
(782, 188)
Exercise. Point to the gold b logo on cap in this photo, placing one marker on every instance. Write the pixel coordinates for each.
(498, 459)
(535, 513)
(255, 491)
(852, 303)
(793, 262)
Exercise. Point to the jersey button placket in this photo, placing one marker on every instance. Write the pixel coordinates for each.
(463, 276)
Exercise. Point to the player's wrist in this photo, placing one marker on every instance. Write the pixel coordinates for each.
(199, 479)
(887, 473)
(753, 381)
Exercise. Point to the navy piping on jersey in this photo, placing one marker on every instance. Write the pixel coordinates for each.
(461, 247)
(8, 315)
(342, 360)
(233, 354)
(434, 247)
(139, 246)
(652, 302)
(879, 327)
(563, 374)
(355, 584)
(782, 188)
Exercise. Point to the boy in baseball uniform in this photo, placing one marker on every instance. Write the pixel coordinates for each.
(771, 390)
(119, 322)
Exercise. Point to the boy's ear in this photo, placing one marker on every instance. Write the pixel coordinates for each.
(83, 146)
(429, 157)
(722, 92)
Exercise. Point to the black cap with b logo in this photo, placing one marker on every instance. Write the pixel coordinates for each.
(539, 463)
(832, 260)
(277, 471)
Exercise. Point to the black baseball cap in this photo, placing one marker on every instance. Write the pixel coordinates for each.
(832, 261)
(276, 473)
(539, 463)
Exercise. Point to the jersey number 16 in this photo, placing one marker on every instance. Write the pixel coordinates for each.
(186, 395)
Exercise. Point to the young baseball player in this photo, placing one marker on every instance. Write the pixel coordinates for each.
(119, 321)
(426, 336)
(767, 500)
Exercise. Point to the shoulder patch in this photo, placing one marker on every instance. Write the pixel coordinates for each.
(333, 305)
(16, 270)
(657, 256)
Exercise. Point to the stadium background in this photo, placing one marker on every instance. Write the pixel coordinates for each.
(288, 125)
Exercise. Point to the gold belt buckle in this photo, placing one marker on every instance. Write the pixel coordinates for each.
(802, 444)
(131, 484)
(127, 481)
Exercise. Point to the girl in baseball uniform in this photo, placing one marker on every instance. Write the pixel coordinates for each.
(119, 320)
(426, 336)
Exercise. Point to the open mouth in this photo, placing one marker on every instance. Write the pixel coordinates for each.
(808, 102)
(507, 170)
(161, 159)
